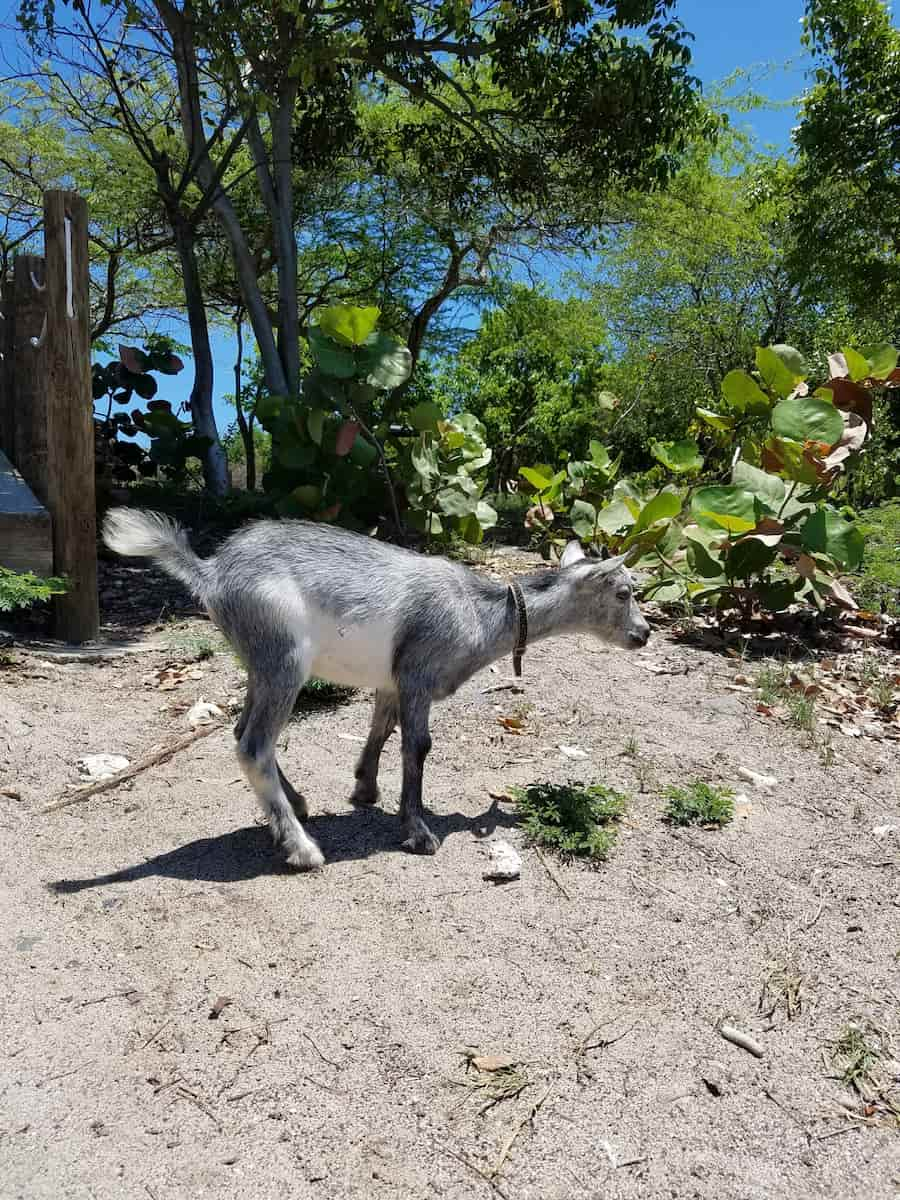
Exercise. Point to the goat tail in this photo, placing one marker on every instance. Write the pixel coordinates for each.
(142, 534)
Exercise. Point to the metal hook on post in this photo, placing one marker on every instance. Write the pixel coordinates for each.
(38, 341)
(70, 290)
(36, 284)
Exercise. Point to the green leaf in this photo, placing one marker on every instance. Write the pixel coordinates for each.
(826, 531)
(614, 517)
(347, 324)
(362, 452)
(716, 420)
(743, 394)
(583, 517)
(777, 596)
(425, 461)
(882, 360)
(315, 423)
(776, 376)
(425, 417)
(388, 361)
(786, 457)
(331, 358)
(455, 503)
(486, 514)
(268, 409)
(660, 508)
(471, 530)
(808, 419)
(705, 560)
(308, 496)
(748, 557)
(769, 488)
(535, 476)
(295, 455)
(856, 364)
(792, 359)
(724, 506)
(600, 457)
(681, 457)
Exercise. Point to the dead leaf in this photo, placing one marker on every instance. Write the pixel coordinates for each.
(504, 796)
(511, 724)
(493, 1062)
(219, 1005)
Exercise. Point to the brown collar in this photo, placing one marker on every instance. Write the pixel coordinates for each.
(522, 627)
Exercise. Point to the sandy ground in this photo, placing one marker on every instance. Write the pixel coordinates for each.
(337, 1068)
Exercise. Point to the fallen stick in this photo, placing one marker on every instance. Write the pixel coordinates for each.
(143, 764)
(552, 874)
(508, 1144)
(744, 1040)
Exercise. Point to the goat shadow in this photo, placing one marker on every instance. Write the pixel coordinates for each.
(248, 853)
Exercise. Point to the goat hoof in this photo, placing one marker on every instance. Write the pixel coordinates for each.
(421, 841)
(365, 797)
(306, 858)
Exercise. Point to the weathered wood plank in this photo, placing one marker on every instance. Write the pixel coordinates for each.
(26, 541)
(70, 423)
(30, 418)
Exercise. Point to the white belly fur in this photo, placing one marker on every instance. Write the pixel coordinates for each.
(341, 651)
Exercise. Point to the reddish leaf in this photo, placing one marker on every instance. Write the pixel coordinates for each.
(346, 436)
(133, 359)
(851, 397)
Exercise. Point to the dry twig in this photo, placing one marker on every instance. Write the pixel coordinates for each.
(143, 764)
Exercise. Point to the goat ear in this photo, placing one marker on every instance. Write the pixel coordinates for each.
(611, 564)
(572, 554)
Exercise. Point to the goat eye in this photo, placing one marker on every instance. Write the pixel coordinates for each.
(622, 593)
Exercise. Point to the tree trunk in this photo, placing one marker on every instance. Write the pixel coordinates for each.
(215, 464)
(184, 53)
(245, 426)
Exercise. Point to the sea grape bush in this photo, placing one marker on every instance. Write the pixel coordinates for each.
(171, 442)
(346, 447)
(773, 534)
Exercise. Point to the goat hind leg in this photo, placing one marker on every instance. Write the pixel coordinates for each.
(270, 709)
(384, 721)
(296, 801)
(414, 710)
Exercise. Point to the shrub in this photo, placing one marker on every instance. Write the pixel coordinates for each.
(573, 819)
(19, 590)
(699, 804)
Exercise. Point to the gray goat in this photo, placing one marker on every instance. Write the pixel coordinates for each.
(296, 599)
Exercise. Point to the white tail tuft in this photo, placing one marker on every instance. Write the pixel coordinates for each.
(140, 534)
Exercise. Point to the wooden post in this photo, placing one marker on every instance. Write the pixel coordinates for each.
(70, 420)
(29, 452)
(7, 378)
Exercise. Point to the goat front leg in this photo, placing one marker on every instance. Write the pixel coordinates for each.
(384, 722)
(414, 711)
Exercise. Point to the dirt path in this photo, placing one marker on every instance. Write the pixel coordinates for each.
(337, 1068)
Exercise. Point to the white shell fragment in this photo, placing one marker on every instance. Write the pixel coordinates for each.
(101, 766)
(504, 863)
(760, 781)
(203, 713)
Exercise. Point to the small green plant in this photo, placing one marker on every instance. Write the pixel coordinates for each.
(884, 693)
(802, 711)
(574, 819)
(195, 646)
(699, 804)
(630, 749)
(320, 693)
(771, 681)
(20, 590)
